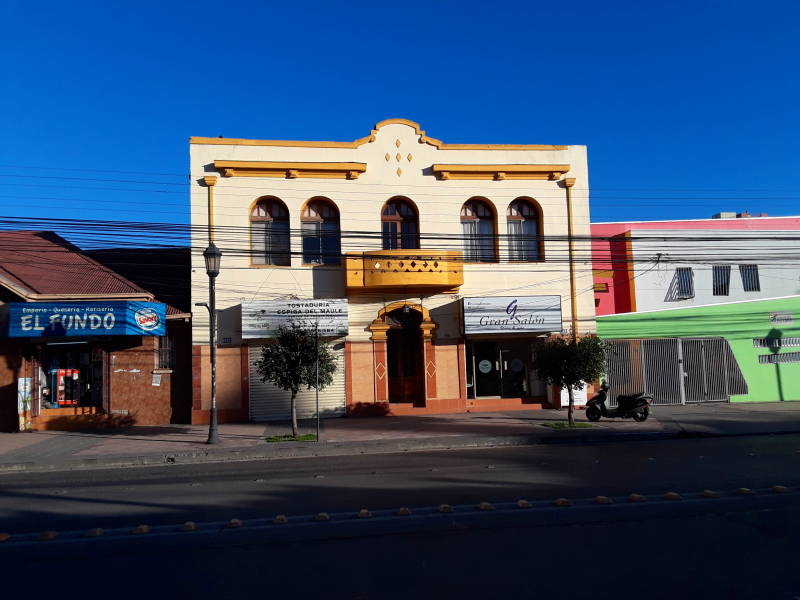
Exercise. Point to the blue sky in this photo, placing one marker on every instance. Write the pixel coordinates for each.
(687, 108)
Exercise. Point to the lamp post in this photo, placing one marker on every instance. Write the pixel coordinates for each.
(212, 256)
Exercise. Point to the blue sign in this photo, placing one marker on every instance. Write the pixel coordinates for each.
(60, 319)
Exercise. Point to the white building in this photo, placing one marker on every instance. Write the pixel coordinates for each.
(416, 235)
(675, 268)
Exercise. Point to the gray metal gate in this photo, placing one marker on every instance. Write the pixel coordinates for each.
(674, 370)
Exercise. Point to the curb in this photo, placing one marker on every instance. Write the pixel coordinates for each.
(308, 450)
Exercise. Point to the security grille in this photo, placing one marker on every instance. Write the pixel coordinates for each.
(270, 403)
(722, 279)
(772, 343)
(773, 359)
(674, 370)
(685, 281)
(750, 281)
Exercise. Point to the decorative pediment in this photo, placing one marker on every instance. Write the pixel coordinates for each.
(423, 139)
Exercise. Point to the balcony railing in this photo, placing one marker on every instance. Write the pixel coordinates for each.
(441, 270)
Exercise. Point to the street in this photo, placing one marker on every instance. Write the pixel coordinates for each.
(729, 551)
(221, 491)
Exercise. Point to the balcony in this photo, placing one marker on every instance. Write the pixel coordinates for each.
(440, 270)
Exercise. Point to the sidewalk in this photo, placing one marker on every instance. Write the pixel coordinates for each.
(53, 450)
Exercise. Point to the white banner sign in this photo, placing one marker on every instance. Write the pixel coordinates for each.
(512, 314)
(578, 397)
(263, 318)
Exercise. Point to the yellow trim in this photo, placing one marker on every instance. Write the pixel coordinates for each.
(290, 170)
(423, 139)
(387, 270)
(323, 198)
(499, 172)
(210, 181)
(568, 183)
(379, 328)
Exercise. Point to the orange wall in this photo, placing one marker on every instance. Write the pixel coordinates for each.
(362, 372)
(447, 384)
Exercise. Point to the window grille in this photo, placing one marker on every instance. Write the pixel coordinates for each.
(750, 281)
(165, 353)
(787, 342)
(772, 359)
(722, 279)
(685, 282)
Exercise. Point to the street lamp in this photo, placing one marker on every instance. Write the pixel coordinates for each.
(212, 256)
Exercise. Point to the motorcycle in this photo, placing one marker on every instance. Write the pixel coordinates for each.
(636, 406)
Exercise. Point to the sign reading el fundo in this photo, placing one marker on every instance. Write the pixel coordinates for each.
(263, 318)
(66, 319)
(512, 314)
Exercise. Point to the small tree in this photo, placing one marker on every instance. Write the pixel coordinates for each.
(571, 363)
(289, 362)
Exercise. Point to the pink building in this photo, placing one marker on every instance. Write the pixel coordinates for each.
(612, 252)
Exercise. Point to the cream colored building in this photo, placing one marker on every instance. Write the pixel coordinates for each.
(454, 260)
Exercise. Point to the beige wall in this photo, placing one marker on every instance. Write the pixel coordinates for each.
(360, 202)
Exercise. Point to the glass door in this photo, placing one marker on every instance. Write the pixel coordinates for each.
(486, 359)
(513, 369)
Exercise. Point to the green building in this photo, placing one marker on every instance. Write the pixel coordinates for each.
(739, 351)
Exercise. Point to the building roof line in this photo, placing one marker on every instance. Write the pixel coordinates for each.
(736, 220)
(657, 310)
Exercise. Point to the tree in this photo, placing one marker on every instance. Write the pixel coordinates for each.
(289, 362)
(571, 363)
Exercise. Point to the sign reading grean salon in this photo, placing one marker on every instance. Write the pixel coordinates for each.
(512, 314)
(263, 318)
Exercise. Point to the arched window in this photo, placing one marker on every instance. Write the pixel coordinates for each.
(322, 242)
(477, 227)
(400, 225)
(269, 233)
(524, 237)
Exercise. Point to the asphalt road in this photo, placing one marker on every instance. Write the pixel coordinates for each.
(737, 555)
(246, 490)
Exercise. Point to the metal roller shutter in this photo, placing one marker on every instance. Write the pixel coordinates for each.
(270, 403)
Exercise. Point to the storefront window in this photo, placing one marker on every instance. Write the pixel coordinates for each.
(502, 369)
(70, 377)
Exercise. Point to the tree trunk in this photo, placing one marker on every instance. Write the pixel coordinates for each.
(294, 414)
(570, 412)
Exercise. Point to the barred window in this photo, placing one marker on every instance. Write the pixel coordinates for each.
(772, 359)
(750, 281)
(685, 282)
(786, 342)
(722, 280)
(165, 353)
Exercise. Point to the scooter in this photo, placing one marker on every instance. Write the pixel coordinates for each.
(636, 406)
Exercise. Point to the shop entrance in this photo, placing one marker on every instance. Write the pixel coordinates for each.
(501, 370)
(405, 356)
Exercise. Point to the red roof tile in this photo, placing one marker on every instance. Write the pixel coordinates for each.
(41, 262)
